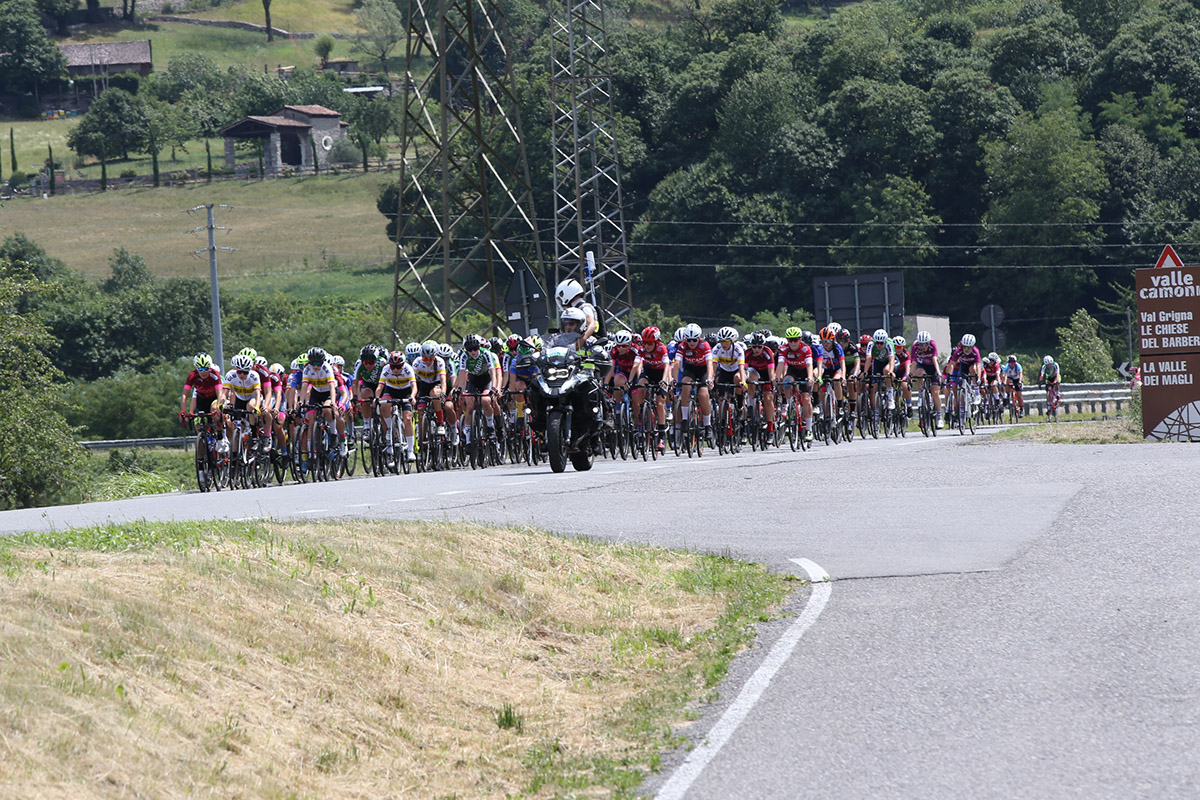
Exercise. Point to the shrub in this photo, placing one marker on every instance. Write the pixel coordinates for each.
(344, 152)
(18, 179)
(129, 174)
(1083, 356)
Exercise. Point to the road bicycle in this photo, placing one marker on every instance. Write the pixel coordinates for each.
(727, 424)
(210, 462)
(926, 414)
(1053, 399)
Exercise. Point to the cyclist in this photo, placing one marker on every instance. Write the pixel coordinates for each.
(903, 361)
(880, 360)
(430, 371)
(656, 363)
(626, 360)
(318, 387)
(694, 367)
(1049, 374)
(245, 389)
(478, 370)
(1012, 373)
(760, 366)
(278, 412)
(730, 357)
(833, 363)
(796, 372)
(202, 387)
(991, 374)
(397, 387)
(521, 370)
(964, 363)
(412, 351)
(364, 380)
(924, 358)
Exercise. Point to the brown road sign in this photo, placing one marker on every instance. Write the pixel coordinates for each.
(1168, 310)
(1171, 397)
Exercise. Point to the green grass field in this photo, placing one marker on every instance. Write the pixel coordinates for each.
(318, 16)
(285, 230)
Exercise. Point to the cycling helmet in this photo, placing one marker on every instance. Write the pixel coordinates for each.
(880, 336)
(844, 337)
(302, 360)
(396, 358)
(367, 353)
(472, 342)
(836, 327)
(276, 368)
(380, 352)
(711, 338)
(899, 341)
(242, 362)
(776, 342)
(202, 361)
(428, 348)
(651, 334)
(756, 339)
(1048, 360)
(692, 332)
(524, 346)
(923, 337)
(809, 338)
(968, 340)
(445, 351)
(727, 334)
(248, 351)
(1012, 359)
(994, 358)
(865, 339)
(677, 337)
(568, 290)
(793, 333)
(572, 315)
(622, 338)
(295, 364)
(317, 356)
(497, 345)
(338, 361)
(513, 342)
(829, 332)
(537, 342)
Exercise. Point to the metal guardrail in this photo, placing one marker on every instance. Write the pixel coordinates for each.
(1081, 397)
(112, 444)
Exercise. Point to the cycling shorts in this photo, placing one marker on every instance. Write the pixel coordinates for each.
(1016, 384)
(479, 383)
(653, 376)
(697, 372)
(204, 404)
(878, 366)
(399, 396)
(424, 388)
(317, 399)
(991, 378)
(727, 378)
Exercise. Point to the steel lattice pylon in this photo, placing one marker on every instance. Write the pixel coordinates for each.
(588, 212)
(465, 205)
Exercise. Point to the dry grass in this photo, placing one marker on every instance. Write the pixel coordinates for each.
(362, 660)
(1108, 431)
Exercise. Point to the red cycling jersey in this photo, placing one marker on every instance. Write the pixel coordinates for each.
(625, 357)
(761, 362)
(657, 358)
(796, 358)
(902, 356)
(205, 382)
(697, 356)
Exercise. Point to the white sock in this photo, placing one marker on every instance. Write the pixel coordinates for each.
(684, 411)
(707, 419)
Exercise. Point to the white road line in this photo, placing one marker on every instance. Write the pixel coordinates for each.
(403, 500)
(360, 505)
(454, 491)
(517, 483)
(698, 759)
(242, 519)
(313, 511)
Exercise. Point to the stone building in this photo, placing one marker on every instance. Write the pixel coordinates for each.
(291, 136)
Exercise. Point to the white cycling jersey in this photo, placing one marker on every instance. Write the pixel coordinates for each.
(729, 359)
(243, 387)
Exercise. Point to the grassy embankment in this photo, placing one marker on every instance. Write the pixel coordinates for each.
(356, 660)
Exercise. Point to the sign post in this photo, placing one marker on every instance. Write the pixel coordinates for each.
(1169, 342)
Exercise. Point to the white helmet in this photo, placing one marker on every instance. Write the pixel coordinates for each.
(412, 348)
(261, 361)
(923, 337)
(295, 365)
(692, 332)
(678, 337)
(994, 357)
(622, 338)
(727, 334)
(243, 362)
(427, 348)
(338, 361)
(572, 315)
(880, 336)
(568, 290)
(1048, 360)
(445, 350)
(899, 341)
(968, 340)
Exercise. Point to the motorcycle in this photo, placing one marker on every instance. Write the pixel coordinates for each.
(565, 399)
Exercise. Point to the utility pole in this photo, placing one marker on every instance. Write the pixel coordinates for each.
(1129, 333)
(218, 352)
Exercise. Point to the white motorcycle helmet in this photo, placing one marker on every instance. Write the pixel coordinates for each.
(568, 290)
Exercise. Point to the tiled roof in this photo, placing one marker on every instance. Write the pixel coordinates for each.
(280, 122)
(101, 53)
(313, 111)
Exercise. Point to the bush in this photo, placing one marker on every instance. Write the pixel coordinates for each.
(129, 174)
(344, 152)
(129, 81)
(167, 8)
(18, 179)
(1083, 356)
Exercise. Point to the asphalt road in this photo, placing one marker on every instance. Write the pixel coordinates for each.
(1003, 619)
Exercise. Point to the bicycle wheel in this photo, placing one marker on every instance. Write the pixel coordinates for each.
(204, 475)
(350, 462)
(792, 424)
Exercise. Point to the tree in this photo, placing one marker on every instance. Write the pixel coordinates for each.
(28, 57)
(37, 454)
(59, 11)
(129, 271)
(736, 17)
(1159, 116)
(322, 47)
(1101, 19)
(894, 216)
(383, 28)
(883, 128)
(116, 123)
(19, 249)
(1083, 356)
(1050, 48)
(267, 14)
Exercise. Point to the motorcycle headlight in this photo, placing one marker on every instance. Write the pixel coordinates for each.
(557, 373)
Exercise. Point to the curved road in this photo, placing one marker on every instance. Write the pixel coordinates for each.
(1002, 619)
